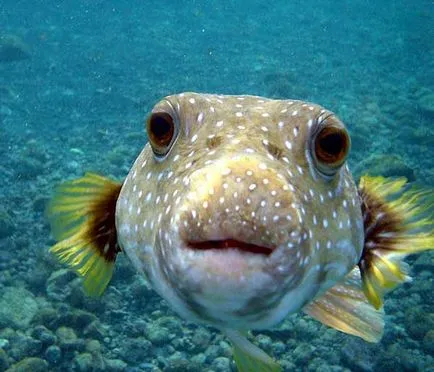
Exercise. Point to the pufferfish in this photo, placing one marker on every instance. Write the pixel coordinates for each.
(241, 210)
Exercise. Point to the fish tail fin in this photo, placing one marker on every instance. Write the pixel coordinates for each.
(398, 221)
(82, 217)
(248, 357)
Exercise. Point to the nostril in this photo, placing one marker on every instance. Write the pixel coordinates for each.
(273, 150)
(214, 142)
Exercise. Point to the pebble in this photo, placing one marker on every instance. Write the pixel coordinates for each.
(221, 364)
(83, 362)
(30, 365)
(53, 354)
(18, 306)
(44, 335)
(4, 362)
(4, 343)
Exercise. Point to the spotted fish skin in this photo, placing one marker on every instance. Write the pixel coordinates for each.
(241, 168)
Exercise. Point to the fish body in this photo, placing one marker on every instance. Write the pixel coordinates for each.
(241, 169)
(241, 210)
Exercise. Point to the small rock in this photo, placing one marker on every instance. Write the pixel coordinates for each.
(158, 335)
(95, 330)
(318, 365)
(199, 358)
(163, 330)
(66, 334)
(201, 339)
(422, 135)
(7, 334)
(397, 358)
(47, 317)
(78, 298)
(28, 169)
(264, 342)
(115, 365)
(12, 48)
(358, 355)
(278, 348)
(83, 362)
(425, 102)
(53, 354)
(67, 339)
(221, 364)
(428, 342)
(44, 335)
(303, 353)
(77, 319)
(37, 277)
(141, 291)
(58, 287)
(7, 226)
(287, 365)
(418, 322)
(39, 203)
(30, 364)
(5, 110)
(24, 346)
(386, 165)
(4, 362)
(226, 349)
(17, 307)
(212, 352)
(93, 347)
(182, 365)
(423, 262)
(136, 350)
(172, 323)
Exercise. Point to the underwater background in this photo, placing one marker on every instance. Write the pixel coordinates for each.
(76, 81)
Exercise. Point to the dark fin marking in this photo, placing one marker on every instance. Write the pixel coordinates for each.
(82, 216)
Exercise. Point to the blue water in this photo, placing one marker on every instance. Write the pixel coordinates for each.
(78, 101)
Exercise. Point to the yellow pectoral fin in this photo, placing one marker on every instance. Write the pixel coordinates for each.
(82, 217)
(399, 220)
(346, 308)
(248, 357)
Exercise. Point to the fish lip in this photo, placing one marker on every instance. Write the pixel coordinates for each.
(229, 243)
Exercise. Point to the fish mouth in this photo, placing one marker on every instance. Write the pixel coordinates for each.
(230, 244)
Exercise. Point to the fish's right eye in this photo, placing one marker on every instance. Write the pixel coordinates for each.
(161, 133)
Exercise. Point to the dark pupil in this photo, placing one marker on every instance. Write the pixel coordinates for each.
(162, 127)
(332, 143)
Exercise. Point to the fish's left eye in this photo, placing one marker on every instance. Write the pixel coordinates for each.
(161, 133)
(331, 147)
